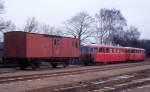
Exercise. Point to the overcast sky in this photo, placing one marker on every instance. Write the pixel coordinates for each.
(55, 12)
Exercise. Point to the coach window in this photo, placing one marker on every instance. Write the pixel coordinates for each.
(86, 50)
(129, 51)
(103, 50)
(118, 50)
(107, 50)
(90, 50)
(100, 50)
(95, 49)
(110, 50)
(115, 50)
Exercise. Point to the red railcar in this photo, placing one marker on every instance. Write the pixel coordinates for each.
(92, 54)
(26, 47)
(135, 54)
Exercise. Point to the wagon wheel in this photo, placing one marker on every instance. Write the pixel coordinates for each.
(22, 65)
(35, 65)
(54, 65)
(65, 64)
(86, 63)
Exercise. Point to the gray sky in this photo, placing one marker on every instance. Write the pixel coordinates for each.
(55, 12)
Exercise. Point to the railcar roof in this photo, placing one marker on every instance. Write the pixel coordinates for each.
(108, 46)
(134, 48)
(98, 45)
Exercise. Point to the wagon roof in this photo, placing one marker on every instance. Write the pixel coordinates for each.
(39, 34)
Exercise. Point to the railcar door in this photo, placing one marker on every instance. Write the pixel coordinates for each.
(56, 47)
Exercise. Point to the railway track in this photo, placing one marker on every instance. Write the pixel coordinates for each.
(112, 84)
(70, 72)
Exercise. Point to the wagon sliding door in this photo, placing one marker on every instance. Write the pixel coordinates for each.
(56, 47)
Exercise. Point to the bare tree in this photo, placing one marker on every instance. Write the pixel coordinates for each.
(47, 29)
(6, 26)
(132, 33)
(31, 25)
(79, 26)
(108, 21)
(128, 37)
(101, 31)
(1, 6)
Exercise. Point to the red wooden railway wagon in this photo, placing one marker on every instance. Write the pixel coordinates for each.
(31, 48)
(102, 54)
(135, 54)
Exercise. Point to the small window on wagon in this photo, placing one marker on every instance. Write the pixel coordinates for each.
(56, 41)
(76, 44)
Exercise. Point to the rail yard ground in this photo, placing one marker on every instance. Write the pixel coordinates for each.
(127, 77)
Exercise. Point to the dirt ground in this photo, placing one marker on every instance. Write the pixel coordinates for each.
(62, 80)
(145, 88)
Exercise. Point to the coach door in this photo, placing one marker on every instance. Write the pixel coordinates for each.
(56, 47)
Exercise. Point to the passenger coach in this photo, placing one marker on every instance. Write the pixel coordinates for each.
(92, 54)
